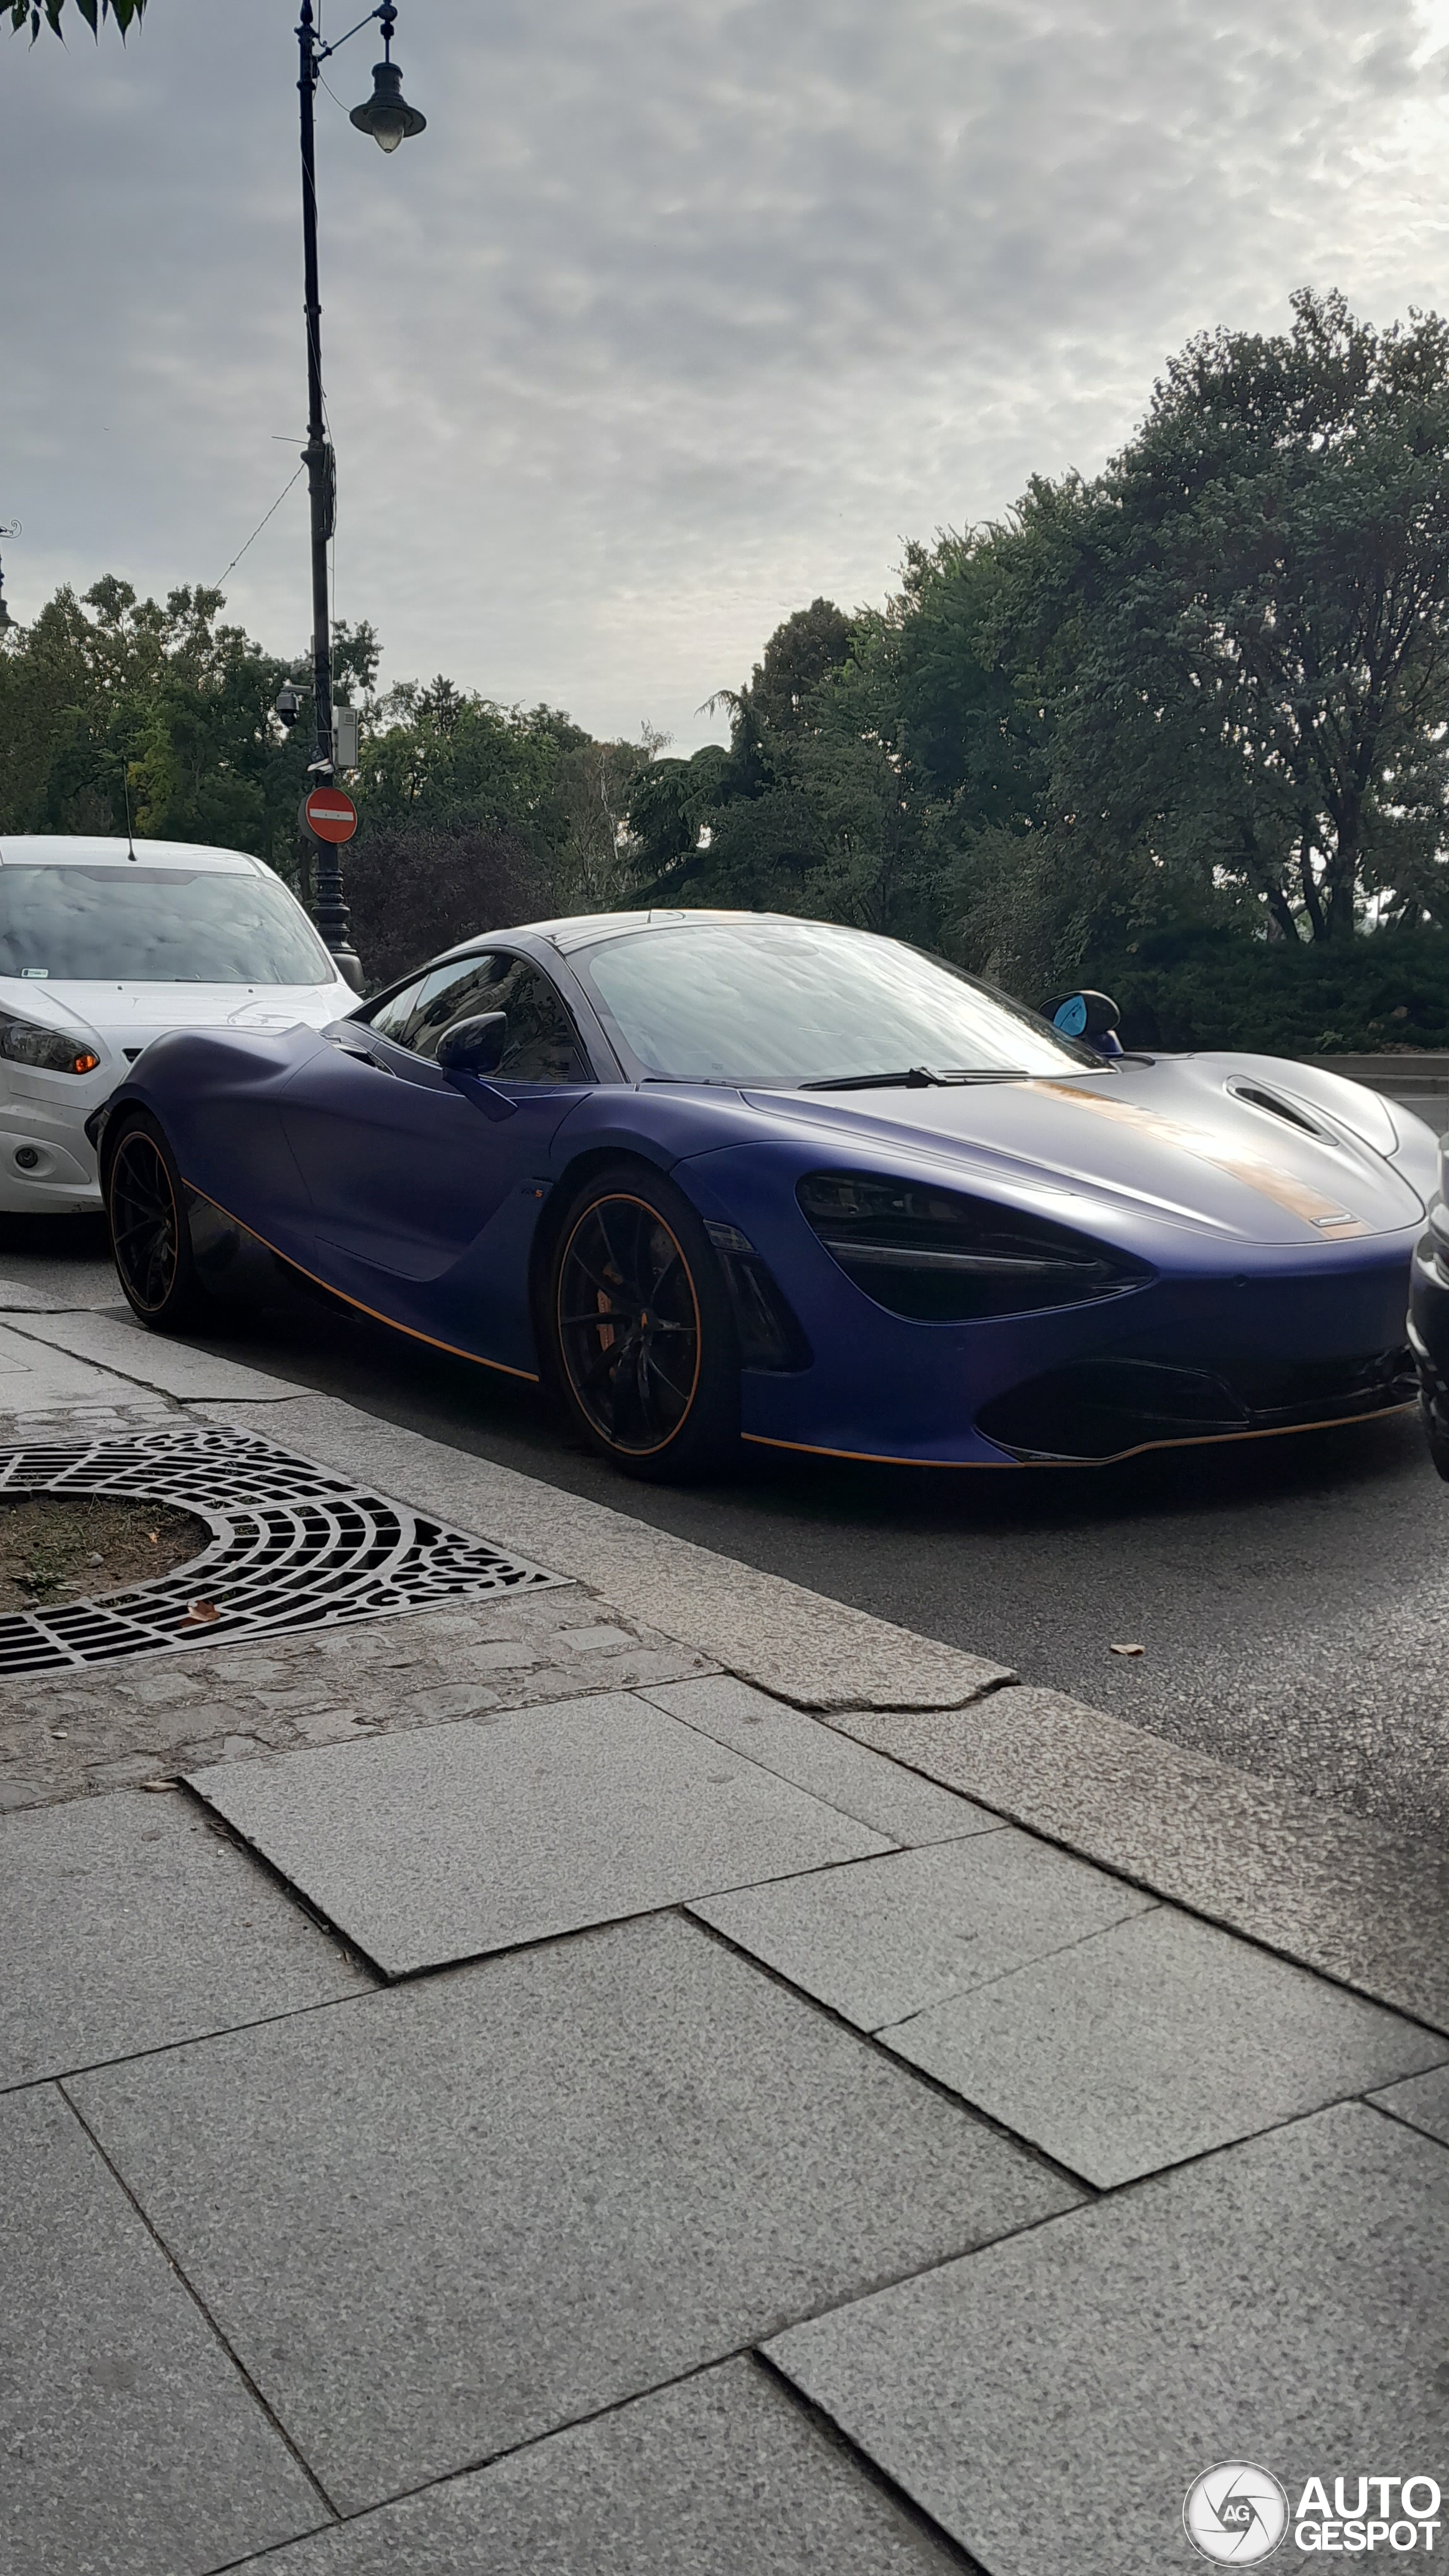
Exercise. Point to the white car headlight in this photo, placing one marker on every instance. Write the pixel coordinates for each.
(54, 1050)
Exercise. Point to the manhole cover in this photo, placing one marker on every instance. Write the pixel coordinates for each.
(293, 1547)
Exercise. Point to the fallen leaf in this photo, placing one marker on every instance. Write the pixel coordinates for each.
(201, 1613)
(158, 1785)
(155, 1537)
(1127, 1650)
(59, 1732)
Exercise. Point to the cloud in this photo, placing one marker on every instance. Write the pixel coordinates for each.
(681, 312)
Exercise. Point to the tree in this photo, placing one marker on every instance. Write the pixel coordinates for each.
(1241, 628)
(114, 708)
(416, 888)
(538, 802)
(749, 824)
(125, 13)
(113, 703)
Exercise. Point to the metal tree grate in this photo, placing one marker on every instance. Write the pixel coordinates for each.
(293, 1548)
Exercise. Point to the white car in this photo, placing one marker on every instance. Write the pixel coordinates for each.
(101, 951)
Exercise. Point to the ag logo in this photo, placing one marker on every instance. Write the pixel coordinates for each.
(1236, 2516)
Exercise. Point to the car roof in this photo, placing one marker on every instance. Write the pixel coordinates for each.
(589, 929)
(82, 849)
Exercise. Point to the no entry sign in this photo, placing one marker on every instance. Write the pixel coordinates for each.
(329, 814)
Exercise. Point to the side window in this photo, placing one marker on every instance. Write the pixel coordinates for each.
(391, 1018)
(542, 1043)
(417, 1017)
(457, 992)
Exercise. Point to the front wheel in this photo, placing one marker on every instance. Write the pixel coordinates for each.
(150, 1238)
(642, 1339)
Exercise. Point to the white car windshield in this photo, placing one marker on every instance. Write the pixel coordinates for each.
(137, 925)
(804, 1002)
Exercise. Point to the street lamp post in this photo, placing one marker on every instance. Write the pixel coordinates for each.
(387, 117)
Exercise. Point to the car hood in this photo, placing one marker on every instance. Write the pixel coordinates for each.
(1225, 1144)
(130, 1015)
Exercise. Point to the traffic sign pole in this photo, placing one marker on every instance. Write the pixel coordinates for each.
(327, 818)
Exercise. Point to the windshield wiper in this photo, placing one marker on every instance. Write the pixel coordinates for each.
(919, 1077)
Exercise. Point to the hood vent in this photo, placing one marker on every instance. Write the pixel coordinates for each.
(1258, 1098)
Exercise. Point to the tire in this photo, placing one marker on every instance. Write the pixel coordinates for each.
(658, 1393)
(1437, 1435)
(150, 1237)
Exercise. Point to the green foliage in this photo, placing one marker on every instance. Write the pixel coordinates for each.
(472, 815)
(125, 13)
(1152, 716)
(486, 815)
(110, 697)
(796, 814)
(414, 889)
(1242, 627)
(1186, 988)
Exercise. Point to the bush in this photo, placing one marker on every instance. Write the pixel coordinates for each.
(1218, 989)
(413, 890)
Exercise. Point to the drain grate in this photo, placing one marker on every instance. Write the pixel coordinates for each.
(292, 1548)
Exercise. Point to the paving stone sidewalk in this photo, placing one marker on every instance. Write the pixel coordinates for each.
(492, 2090)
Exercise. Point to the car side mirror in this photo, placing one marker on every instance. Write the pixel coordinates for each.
(1092, 1017)
(474, 1046)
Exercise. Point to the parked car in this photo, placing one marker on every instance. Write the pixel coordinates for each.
(105, 946)
(722, 1177)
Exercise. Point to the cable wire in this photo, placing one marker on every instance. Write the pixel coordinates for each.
(261, 523)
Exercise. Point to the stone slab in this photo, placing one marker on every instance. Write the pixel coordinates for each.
(1423, 2101)
(1156, 2041)
(129, 1922)
(449, 2218)
(887, 1938)
(455, 1840)
(1333, 1890)
(866, 1785)
(131, 2444)
(116, 1342)
(149, 1716)
(70, 1422)
(34, 1375)
(720, 2475)
(813, 1652)
(1050, 2401)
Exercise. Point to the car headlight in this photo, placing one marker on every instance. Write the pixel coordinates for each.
(941, 1257)
(28, 1042)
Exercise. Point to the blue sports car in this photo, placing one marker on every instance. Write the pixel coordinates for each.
(724, 1177)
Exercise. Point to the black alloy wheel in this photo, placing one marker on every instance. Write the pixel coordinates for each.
(643, 1341)
(150, 1238)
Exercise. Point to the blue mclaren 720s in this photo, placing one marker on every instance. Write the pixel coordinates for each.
(718, 1178)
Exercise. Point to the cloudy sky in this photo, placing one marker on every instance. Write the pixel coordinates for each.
(679, 314)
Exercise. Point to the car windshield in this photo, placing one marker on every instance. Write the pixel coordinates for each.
(802, 1002)
(140, 925)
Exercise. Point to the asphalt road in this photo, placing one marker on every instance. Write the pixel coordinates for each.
(1291, 1596)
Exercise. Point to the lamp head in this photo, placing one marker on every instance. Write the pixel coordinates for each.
(386, 116)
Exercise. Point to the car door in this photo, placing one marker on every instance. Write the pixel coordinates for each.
(406, 1165)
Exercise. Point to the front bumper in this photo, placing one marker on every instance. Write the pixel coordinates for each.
(47, 1167)
(1234, 1341)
